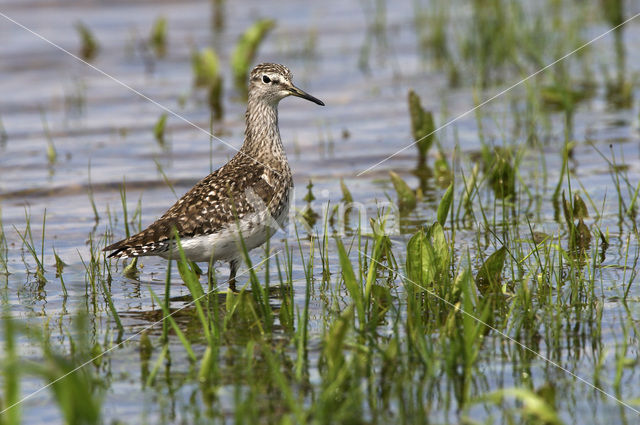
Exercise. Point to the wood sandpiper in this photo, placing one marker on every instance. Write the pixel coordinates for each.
(246, 199)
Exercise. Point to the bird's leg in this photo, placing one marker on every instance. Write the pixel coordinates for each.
(210, 275)
(234, 264)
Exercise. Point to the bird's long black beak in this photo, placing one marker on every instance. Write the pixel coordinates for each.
(301, 93)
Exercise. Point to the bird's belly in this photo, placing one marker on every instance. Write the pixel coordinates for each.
(226, 244)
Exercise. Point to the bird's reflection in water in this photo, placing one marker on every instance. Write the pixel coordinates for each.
(238, 314)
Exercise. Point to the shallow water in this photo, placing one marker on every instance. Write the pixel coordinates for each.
(102, 133)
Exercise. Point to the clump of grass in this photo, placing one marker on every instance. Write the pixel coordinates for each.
(428, 262)
(27, 242)
(470, 191)
(168, 320)
(75, 98)
(217, 15)
(533, 406)
(206, 70)
(579, 234)
(347, 197)
(489, 277)
(406, 196)
(158, 37)
(492, 44)
(500, 168)
(309, 215)
(511, 39)
(159, 129)
(445, 205)
(92, 200)
(4, 249)
(77, 395)
(442, 170)
(375, 15)
(94, 275)
(428, 257)
(75, 391)
(619, 92)
(563, 97)
(206, 67)
(618, 88)
(622, 183)
(431, 27)
(59, 270)
(422, 127)
(131, 270)
(246, 49)
(89, 46)
(11, 372)
(342, 210)
(3, 134)
(52, 153)
(214, 99)
(613, 11)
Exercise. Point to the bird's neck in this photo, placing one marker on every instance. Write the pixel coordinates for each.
(262, 136)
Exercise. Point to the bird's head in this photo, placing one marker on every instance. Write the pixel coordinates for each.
(272, 82)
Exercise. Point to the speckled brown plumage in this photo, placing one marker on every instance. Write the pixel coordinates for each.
(251, 192)
(211, 205)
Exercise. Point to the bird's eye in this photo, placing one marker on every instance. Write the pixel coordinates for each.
(266, 79)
